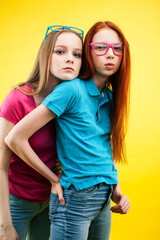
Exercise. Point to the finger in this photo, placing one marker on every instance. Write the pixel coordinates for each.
(120, 203)
(120, 209)
(117, 207)
(124, 203)
(62, 201)
(126, 206)
(117, 211)
(123, 207)
(61, 198)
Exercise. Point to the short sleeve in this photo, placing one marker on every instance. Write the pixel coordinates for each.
(11, 108)
(63, 98)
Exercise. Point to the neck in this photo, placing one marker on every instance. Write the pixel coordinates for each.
(100, 82)
(52, 83)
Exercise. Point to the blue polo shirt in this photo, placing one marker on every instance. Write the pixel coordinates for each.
(83, 133)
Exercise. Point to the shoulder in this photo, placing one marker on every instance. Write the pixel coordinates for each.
(23, 94)
(16, 93)
(67, 88)
(64, 97)
(78, 82)
(12, 97)
(75, 86)
(14, 106)
(11, 106)
(72, 84)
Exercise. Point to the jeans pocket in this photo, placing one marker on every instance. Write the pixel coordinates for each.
(54, 200)
(111, 186)
(109, 194)
(85, 192)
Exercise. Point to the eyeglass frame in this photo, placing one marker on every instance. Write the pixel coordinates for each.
(63, 27)
(108, 46)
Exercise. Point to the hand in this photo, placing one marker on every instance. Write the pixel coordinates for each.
(122, 202)
(8, 233)
(57, 189)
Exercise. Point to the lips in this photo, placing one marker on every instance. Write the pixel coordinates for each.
(68, 69)
(109, 65)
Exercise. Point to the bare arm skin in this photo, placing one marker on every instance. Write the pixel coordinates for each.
(7, 230)
(122, 202)
(17, 140)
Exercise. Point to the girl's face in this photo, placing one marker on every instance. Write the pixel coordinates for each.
(66, 58)
(108, 64)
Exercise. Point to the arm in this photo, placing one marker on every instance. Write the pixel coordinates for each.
(17, 140)
(6, 226)
(122, 202)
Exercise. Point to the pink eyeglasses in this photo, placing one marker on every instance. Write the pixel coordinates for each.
(101, 48)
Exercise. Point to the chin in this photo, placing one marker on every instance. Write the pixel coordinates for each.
(68, 78)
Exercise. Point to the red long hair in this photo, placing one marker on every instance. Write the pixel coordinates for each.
(120, 83)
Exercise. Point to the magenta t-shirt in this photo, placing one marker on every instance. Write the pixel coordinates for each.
(25, 182)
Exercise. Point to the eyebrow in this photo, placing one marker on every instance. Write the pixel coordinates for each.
(67, 47)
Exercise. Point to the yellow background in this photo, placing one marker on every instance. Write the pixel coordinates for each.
(22, 27)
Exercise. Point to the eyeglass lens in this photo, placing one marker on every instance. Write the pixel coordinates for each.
(102, 48)
(73, 29)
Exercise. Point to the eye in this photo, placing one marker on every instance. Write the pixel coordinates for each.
(59, 52)
(118, 47)
(100, 47)
(77, 55)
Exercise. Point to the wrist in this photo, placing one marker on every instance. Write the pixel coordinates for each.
(5, 220)
(55, 181)
(117, 189)
(7, 225)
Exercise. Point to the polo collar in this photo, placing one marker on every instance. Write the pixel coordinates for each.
(94, 91)
(92, 88)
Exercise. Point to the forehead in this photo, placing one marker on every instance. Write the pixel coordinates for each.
(69, 39)
(106, 35)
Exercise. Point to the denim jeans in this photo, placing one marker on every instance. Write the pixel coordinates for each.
(86, 214)
(30, 219)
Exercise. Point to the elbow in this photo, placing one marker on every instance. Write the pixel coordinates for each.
(11, 141)
(15, 141)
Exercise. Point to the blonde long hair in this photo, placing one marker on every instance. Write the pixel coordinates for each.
(39, 77)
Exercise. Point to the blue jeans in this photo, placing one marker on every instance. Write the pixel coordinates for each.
(85, 216)
(30, 219)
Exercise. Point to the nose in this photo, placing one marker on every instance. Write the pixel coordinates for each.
(69, 58)
(110, 53)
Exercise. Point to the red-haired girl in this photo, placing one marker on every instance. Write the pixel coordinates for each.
(91, 116)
